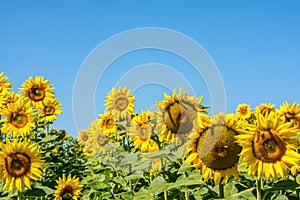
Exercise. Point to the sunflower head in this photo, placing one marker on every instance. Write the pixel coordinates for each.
(213, 147)
(11, 97)
(290, 113)
(176, 115)
(264, 108)
(140, 131)
(269, 146)
(107, 123)
(37, 91)
(18, 118)
(5, 86)
(19, 162)
(243, 111)
(50, 110)
(84, 136)
(120, 103)
(67, 188)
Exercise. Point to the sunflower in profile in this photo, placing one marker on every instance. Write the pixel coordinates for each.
(120, 103)
(176, 114)
(268, 146)
(5, 86)
(290, 113)
(50, 110)
(243, 111)
(140, 131)
(213, 147)
(107, 123)
(18, 118)
(37, 91)
(264, 108)
(67, 188)
(19, 163)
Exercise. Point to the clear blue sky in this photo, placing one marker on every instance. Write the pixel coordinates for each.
(255, 45)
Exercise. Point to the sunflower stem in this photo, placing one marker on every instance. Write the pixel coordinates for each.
(165, 195)
(221, 190)
(186, 194)
(20, 195)
(258, 189)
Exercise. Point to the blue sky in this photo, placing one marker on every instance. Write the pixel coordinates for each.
(254, 44)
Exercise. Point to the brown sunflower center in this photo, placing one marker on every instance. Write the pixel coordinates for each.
(19, 120)
(268, 147)
(218, 148)
(49, 110)
(101, 140)
(36, 93)
(67, 193)
(144, 132)
(179, 117)
(121, 103)
(109, 123)
(17, 164)
(243, 111)
(84, 137)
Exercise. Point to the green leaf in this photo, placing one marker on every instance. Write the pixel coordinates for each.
(158, 154)
(49, 138)
(158, 185)
(281, 197)
(283, 185)
(38, 191)
(245, 194)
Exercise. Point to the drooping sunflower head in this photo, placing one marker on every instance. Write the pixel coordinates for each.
(243, 111)
(140, 131)
(176, 115)
(269, 146)
(264, 108)
(67, 188)
(107, 123)
(290, 113)
(37, 91)
(5, 85)
(18, 118)
(50, 110)
(214, 148)
(120, 102)
(19, 163)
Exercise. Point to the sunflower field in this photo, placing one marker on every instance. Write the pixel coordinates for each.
(177, 151)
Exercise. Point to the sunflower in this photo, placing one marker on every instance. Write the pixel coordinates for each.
(5, 86)
(176, 114)
(120, 103)
(291, 113)
(99, 140)
(264, 108)
(84, 136)
(50, 110)
(107, 123)
(11, 97)
(37, 91)
(140, 131)
(67, 188)
(268, 146)
(18, 118)
(243, 111)
(213, 147)
(19, 162)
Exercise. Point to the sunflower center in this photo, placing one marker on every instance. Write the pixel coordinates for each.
(84, 137)
(121, 103)
(244, 111)
(268, 147)
(49, 110)
(37, 93)
(218, 148)
(17, 164)
(19, 120)
(101, 140)
(110, 123)
(144, 132)
(179, 118)
(67, 193)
